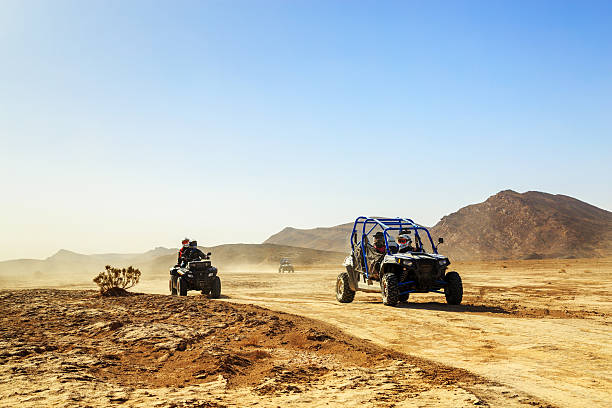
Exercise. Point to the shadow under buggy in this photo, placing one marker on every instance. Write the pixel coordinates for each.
(394, 272)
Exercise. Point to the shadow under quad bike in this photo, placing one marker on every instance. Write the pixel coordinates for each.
(196, 275)
(395, 273)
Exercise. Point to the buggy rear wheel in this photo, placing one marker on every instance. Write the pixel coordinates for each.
(172, 285)
(182, 286)
(344, 293)
(389, 289)
(453, 289)
(215, 288)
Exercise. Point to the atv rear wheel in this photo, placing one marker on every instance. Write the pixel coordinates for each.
(453, 289)
(344, 293)
(181, 286)
(173, 285)
(215, 288)
(389, 289)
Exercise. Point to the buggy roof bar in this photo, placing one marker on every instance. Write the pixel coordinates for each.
(387, 224)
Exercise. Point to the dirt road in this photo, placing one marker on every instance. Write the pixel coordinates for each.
(541, 327)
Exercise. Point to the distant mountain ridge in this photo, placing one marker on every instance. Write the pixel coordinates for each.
(68, 265)
(326, 239)
(508, 225)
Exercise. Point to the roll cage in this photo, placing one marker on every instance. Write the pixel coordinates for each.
(389, 224)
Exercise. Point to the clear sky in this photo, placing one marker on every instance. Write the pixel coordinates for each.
(126, 125)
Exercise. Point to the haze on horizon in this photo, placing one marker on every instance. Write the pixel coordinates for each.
(126, 126)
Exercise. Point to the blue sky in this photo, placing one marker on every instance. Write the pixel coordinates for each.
(127, 125)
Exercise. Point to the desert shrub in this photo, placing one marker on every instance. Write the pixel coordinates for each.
(115, 280)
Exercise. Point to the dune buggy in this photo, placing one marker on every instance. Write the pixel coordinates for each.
(285, 266)
(196, 275)
(393, 272)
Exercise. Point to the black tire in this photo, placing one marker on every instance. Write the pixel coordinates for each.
(453, 289)
(404, 298)
(206, 291)
(181, 286)
(344, 293)
(172, 285)
(215, 288)
(389, 289)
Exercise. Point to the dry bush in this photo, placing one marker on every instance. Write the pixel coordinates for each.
(116, 281)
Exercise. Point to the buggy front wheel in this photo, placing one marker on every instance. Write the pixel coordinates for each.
(389, 289)
(453, 289)
(344, 293)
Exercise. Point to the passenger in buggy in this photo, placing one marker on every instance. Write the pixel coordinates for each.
(379, 243)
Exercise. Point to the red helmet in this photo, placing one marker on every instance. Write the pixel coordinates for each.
(186, 242)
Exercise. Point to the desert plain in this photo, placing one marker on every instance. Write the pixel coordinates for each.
(528, 333)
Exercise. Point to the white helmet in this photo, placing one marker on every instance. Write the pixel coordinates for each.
(404, 241)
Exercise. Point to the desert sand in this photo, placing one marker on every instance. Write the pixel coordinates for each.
(529, 333)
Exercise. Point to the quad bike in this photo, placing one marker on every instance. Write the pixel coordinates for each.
(394, 273)
(195, 275)
(285, 266)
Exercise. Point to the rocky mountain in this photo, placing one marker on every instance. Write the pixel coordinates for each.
(508, 225)
(326, 239)
(511, 225)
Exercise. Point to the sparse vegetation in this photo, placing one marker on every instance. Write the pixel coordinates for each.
(115, 281)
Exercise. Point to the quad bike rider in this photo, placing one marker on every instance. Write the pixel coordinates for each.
(194, 271)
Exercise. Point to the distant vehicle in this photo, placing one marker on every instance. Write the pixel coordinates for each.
(394, 273)
(285, 266)
(196, 275)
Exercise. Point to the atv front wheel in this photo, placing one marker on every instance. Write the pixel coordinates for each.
(344, 294)
(173, 285)
(389, 289)
(453, 289)
(215, 288)
(181, 286)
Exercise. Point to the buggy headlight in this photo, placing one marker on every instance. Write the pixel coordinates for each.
(442, 262)
(406, 262)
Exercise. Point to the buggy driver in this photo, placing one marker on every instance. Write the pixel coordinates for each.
(405, 243)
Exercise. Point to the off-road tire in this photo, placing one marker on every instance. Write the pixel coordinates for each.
(215, 288)
(172, 285)
(453, 289)
(344, 293)
(181, 286)
(404, 298)
(389, 289)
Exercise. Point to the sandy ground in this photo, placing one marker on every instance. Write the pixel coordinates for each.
(75, 348)
(537, 332)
